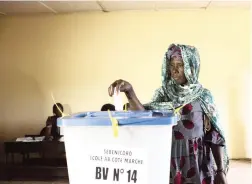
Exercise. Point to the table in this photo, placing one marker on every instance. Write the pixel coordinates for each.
(41, 167)
(26, 148)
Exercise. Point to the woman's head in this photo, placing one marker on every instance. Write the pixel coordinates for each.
(176, 65)
(56, 110)
(107, 107)
(126, 106)
(181, 64)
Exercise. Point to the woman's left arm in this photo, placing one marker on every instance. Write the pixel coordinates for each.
(218, 153)
(216, 143)
(220, 176)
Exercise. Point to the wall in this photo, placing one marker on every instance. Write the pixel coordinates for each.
(77, 56)
(249, 127)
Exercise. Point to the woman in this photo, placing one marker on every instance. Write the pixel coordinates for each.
(107, 107)
(51, 128)
(198, 143)
(126, 106)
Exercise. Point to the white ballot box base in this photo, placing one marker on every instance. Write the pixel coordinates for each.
(139, 155)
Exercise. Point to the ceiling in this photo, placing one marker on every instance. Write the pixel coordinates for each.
(57, 7)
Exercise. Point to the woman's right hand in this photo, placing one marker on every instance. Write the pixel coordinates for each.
(120, 86)
(126, 87)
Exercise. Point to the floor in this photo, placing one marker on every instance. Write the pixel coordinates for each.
(240, 172)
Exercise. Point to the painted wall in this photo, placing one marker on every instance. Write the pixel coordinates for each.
(77, 56)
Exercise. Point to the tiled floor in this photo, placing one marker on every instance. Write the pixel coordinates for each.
(240, 173)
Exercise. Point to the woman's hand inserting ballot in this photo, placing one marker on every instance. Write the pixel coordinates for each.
(124, 86)
(120, 86)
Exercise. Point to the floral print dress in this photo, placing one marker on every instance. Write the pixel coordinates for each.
(191, 157)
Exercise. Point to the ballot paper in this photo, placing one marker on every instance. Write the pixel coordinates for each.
(118, 101)
(30, 139)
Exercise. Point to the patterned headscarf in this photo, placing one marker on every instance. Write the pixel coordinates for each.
(172, 95)
(174, 52)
